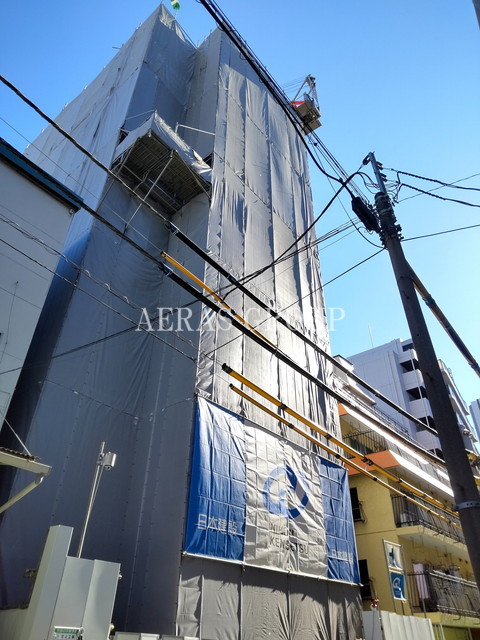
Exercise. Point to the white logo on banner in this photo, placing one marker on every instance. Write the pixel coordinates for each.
(279, 505)
(285, 522)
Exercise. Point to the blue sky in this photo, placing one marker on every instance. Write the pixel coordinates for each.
(400, 79)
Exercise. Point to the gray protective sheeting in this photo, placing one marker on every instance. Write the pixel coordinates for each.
(155, 125)
(92, 377)
(215, 597)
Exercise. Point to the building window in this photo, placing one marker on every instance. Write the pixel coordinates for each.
(357, 510)
(366, 590)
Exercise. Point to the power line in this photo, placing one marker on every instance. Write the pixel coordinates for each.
(358, 264)
(238, 323)
(315, 243)
(280, 96)
(246, 279)
(112, 335)
(440, 233)
(204, 255)
(452, 185)
(348, 215)
(185, 239)
(71, 139)
(231, 316)
(82, 185)
(434, 195)
(340, 275)
(311, 245)
(125, 299)
(147, 239)
(76, 286)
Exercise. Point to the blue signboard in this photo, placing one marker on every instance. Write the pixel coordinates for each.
(397, 580)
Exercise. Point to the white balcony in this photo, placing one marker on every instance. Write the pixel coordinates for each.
(407, 356)
(420, 408)
(427, 440)
(413, 379)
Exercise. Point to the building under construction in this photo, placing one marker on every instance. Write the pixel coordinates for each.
(226, 523)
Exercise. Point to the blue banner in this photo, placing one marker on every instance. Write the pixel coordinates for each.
(341, 547)
(216, 514)
(256, 498)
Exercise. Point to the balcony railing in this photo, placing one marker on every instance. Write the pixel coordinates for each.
(366, 442)
(432, 590)
(407, 514)
(374, 410)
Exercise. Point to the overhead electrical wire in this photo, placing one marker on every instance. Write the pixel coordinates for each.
(305, 247)
(260, 69)
(352, 221)
(358, 264)
(332, 360)
(452, 185)
(347, 461)
(311, 245)
(149, 241)
(280, 96)
(75, 285)
(124, 299)
(143, 200)
(111, 335)
(365, 459)
(417, 195)
(106, 286)
(441, 233)
(239, 323)
(434, 195)
(188, 242)
(247, 278)
(331, 439)
(110, 291)
(319, 148)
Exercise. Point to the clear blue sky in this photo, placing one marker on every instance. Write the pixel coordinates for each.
(397, 78)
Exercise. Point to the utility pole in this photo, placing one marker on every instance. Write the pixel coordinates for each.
(476, 4)
(465, 491)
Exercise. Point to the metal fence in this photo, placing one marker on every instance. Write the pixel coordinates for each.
(366, 442)
(407, 514)
(432, 590)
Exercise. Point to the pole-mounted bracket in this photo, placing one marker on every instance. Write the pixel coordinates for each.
(470, 504)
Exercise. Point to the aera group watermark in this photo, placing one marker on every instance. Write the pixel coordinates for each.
(179, 319)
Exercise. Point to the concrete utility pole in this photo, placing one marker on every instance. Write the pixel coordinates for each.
(476, 4)
(465, 491)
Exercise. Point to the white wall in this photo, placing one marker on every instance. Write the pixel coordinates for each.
(25, 267)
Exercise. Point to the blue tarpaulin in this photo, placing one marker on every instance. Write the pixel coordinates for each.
(222, 510)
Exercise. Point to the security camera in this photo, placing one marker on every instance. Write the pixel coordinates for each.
(108, 461)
